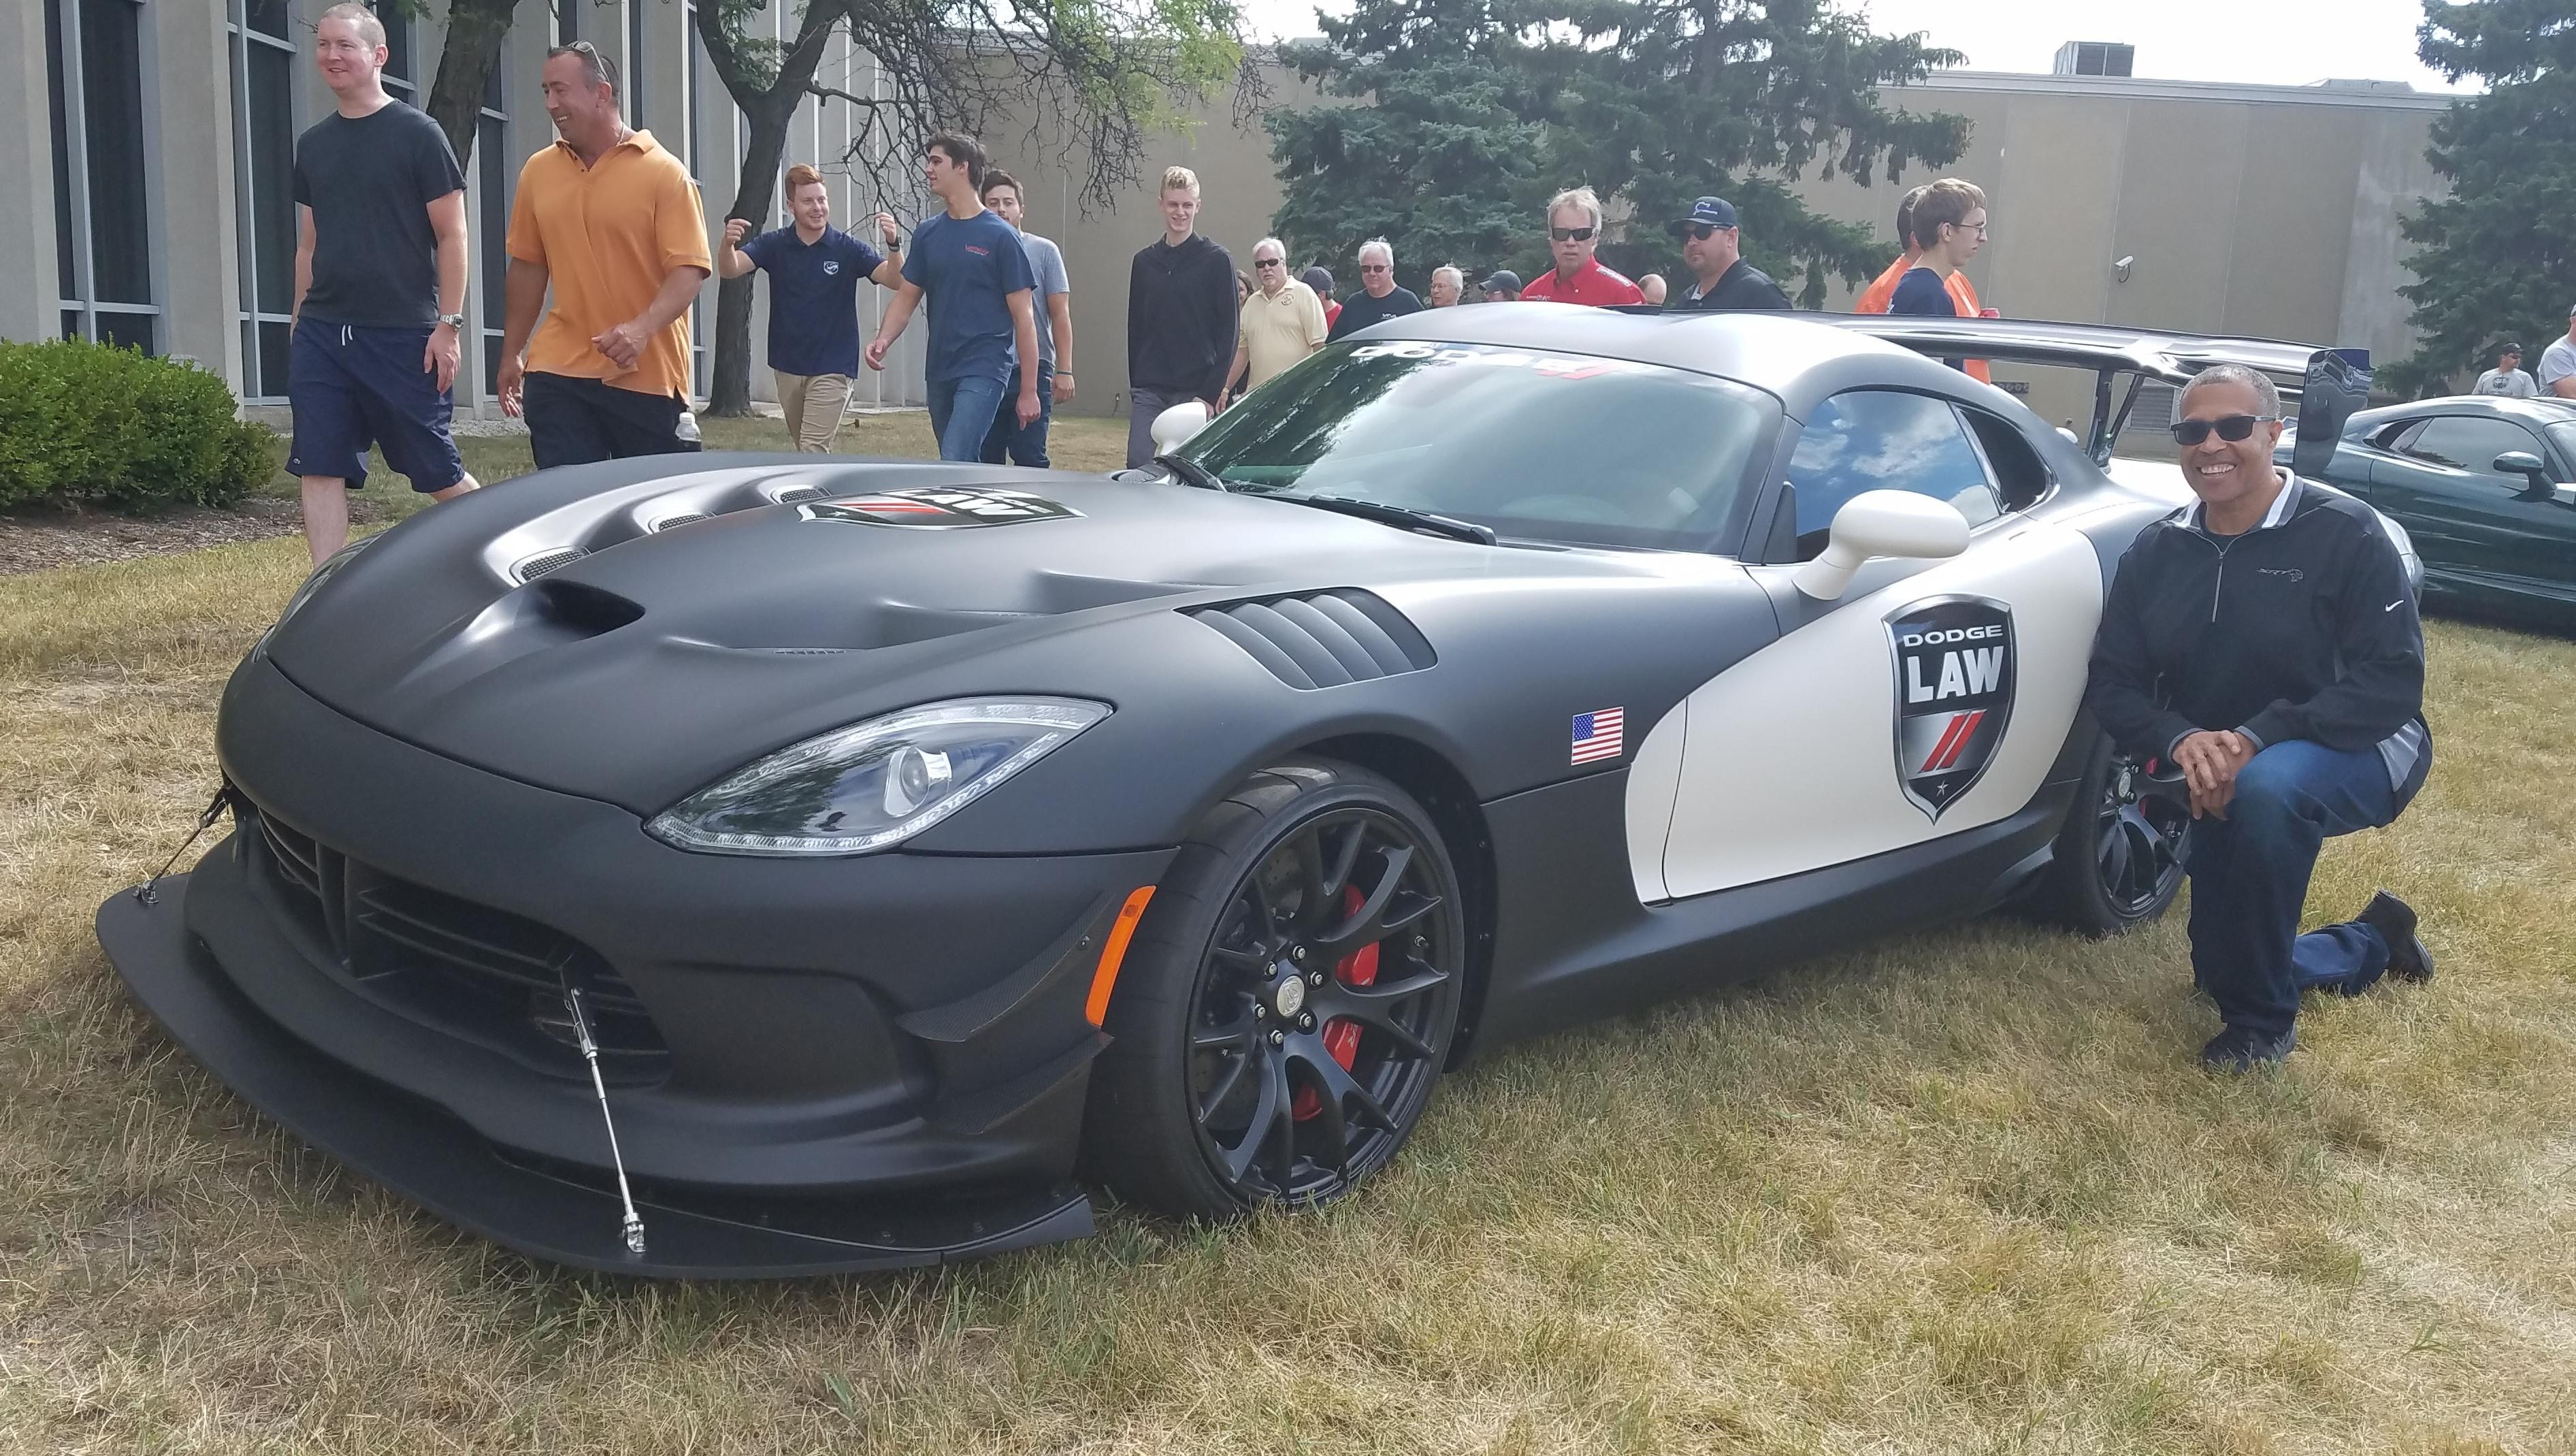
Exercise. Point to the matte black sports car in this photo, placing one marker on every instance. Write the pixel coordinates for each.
(2480, 483)
(746, 865)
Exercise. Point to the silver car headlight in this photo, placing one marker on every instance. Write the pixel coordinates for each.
(875, 783)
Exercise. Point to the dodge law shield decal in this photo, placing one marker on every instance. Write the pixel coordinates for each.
(1954, 694)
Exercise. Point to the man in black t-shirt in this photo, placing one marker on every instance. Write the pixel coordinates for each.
(1379, 299)
(1720, 278)
(380, 261)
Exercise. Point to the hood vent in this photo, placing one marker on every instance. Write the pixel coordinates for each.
(682, 519)
(799, 493)
(1323, 639)
(537, 566)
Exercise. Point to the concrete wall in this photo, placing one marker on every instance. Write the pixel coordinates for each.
(26, 177)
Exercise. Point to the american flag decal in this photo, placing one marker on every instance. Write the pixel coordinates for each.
(1600, 734)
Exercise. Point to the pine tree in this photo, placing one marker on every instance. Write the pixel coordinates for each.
(1482, 108)
(2496, 259)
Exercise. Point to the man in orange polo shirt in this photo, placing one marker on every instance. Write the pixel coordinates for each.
(1876, 297)
(612, 222)
(1573, 231)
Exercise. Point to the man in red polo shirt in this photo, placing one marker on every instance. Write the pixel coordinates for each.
(1573, 231)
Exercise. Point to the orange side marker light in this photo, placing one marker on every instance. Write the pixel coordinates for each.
(1115, 952)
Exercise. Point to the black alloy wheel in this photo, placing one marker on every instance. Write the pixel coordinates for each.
(1281, 1033)
(2118, 861)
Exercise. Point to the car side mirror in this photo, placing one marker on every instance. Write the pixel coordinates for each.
(2527, 465)
(1878, 523)
(1173, 427)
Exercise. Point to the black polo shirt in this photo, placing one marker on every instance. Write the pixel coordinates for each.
(1741, 286)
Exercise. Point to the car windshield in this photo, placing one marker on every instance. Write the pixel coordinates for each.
(2563, 435)
(1539, 446)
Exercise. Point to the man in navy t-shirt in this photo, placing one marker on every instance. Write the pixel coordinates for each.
(1949, 223)
(814, 272)
(983, 327)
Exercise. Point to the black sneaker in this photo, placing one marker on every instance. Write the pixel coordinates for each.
(2243, 1049)
(2394, 919)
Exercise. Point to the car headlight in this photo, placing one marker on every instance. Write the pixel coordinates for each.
(875, 783)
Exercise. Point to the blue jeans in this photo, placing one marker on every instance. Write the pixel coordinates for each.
(1019, 444)
(2249, 883)
(961, 415)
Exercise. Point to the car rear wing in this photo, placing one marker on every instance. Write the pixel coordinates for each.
(2326, 384)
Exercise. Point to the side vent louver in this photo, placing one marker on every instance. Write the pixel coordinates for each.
(798, 493)
(683, 518)
(1323, 639)
(537, 566)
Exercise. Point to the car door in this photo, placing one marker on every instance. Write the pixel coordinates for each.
(2480, 531)
(1929, 699)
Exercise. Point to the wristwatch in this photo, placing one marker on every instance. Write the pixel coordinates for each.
(454, 321)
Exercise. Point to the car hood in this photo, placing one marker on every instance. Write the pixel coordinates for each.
(705, 621)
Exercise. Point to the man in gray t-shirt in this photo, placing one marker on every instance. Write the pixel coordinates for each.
(1027, 444)
(2507, 378)
(2558, 364)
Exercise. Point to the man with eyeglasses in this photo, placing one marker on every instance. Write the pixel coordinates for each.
(1573, 231)
(2264, 641)
(1378, 299)
(1282, 322)
(1720, 276)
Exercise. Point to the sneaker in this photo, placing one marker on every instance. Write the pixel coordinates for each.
(2242, 1049)
(2394, 919)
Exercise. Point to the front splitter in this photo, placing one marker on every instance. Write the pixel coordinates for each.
(435, 1161)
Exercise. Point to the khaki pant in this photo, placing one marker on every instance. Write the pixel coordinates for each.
(813, 405)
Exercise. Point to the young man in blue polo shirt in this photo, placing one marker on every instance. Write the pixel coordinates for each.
(983, 327)
(814, 272)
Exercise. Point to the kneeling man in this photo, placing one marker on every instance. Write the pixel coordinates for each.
(2265, 642)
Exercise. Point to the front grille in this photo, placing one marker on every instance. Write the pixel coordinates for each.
(481, 973)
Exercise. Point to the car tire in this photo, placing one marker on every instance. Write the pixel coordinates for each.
(1224, 1089)
(2118, 859)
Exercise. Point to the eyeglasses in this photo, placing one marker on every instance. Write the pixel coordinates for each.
(1703, 231)
(1268, 262)
(1373, 268)
(2230, 428)
(1570, 235)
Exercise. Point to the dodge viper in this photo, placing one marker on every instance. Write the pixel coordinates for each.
(760, 865)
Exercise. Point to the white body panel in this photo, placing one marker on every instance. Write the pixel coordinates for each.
(1790, 758)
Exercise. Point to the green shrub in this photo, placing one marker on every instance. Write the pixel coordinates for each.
(87, 423)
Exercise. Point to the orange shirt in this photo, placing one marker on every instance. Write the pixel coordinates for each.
(607, 236)
(1876, 297)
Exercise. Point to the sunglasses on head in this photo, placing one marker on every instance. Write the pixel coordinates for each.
(2230, 428)
(1570, 235)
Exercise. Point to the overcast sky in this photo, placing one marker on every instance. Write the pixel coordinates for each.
(2282, 42)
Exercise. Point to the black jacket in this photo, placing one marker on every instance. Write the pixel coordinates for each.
(1180, 318)
(1741, 286)
(2305, 629)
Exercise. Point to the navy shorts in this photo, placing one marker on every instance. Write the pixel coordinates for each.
(353, 386)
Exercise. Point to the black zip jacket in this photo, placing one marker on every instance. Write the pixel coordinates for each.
(1181, 318)
(2305, 629)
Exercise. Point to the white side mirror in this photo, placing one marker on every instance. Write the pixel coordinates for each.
(1173, 427)
(1882, 523)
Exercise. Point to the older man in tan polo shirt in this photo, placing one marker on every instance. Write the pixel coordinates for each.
(1283, 321)
(612, 222)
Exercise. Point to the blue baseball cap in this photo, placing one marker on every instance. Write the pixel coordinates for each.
(1707, 212)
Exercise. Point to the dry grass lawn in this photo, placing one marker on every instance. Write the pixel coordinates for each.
(1960, 1192)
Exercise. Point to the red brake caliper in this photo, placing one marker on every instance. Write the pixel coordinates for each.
(1341, 1034)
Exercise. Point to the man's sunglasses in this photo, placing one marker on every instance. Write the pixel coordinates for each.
(1702, 231)
(2230, 428)
(1267, 262)
(1570, 235)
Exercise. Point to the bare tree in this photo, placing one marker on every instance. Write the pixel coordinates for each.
(1092, 78)
(475, 30)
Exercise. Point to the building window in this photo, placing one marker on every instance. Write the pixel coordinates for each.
(401, 82)
(492, 174)
(568, 20)
(94, 54)
(262, 60)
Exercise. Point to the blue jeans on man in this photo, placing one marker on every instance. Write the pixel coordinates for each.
(961, 414)
(2249, 884)
(1023, 444)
